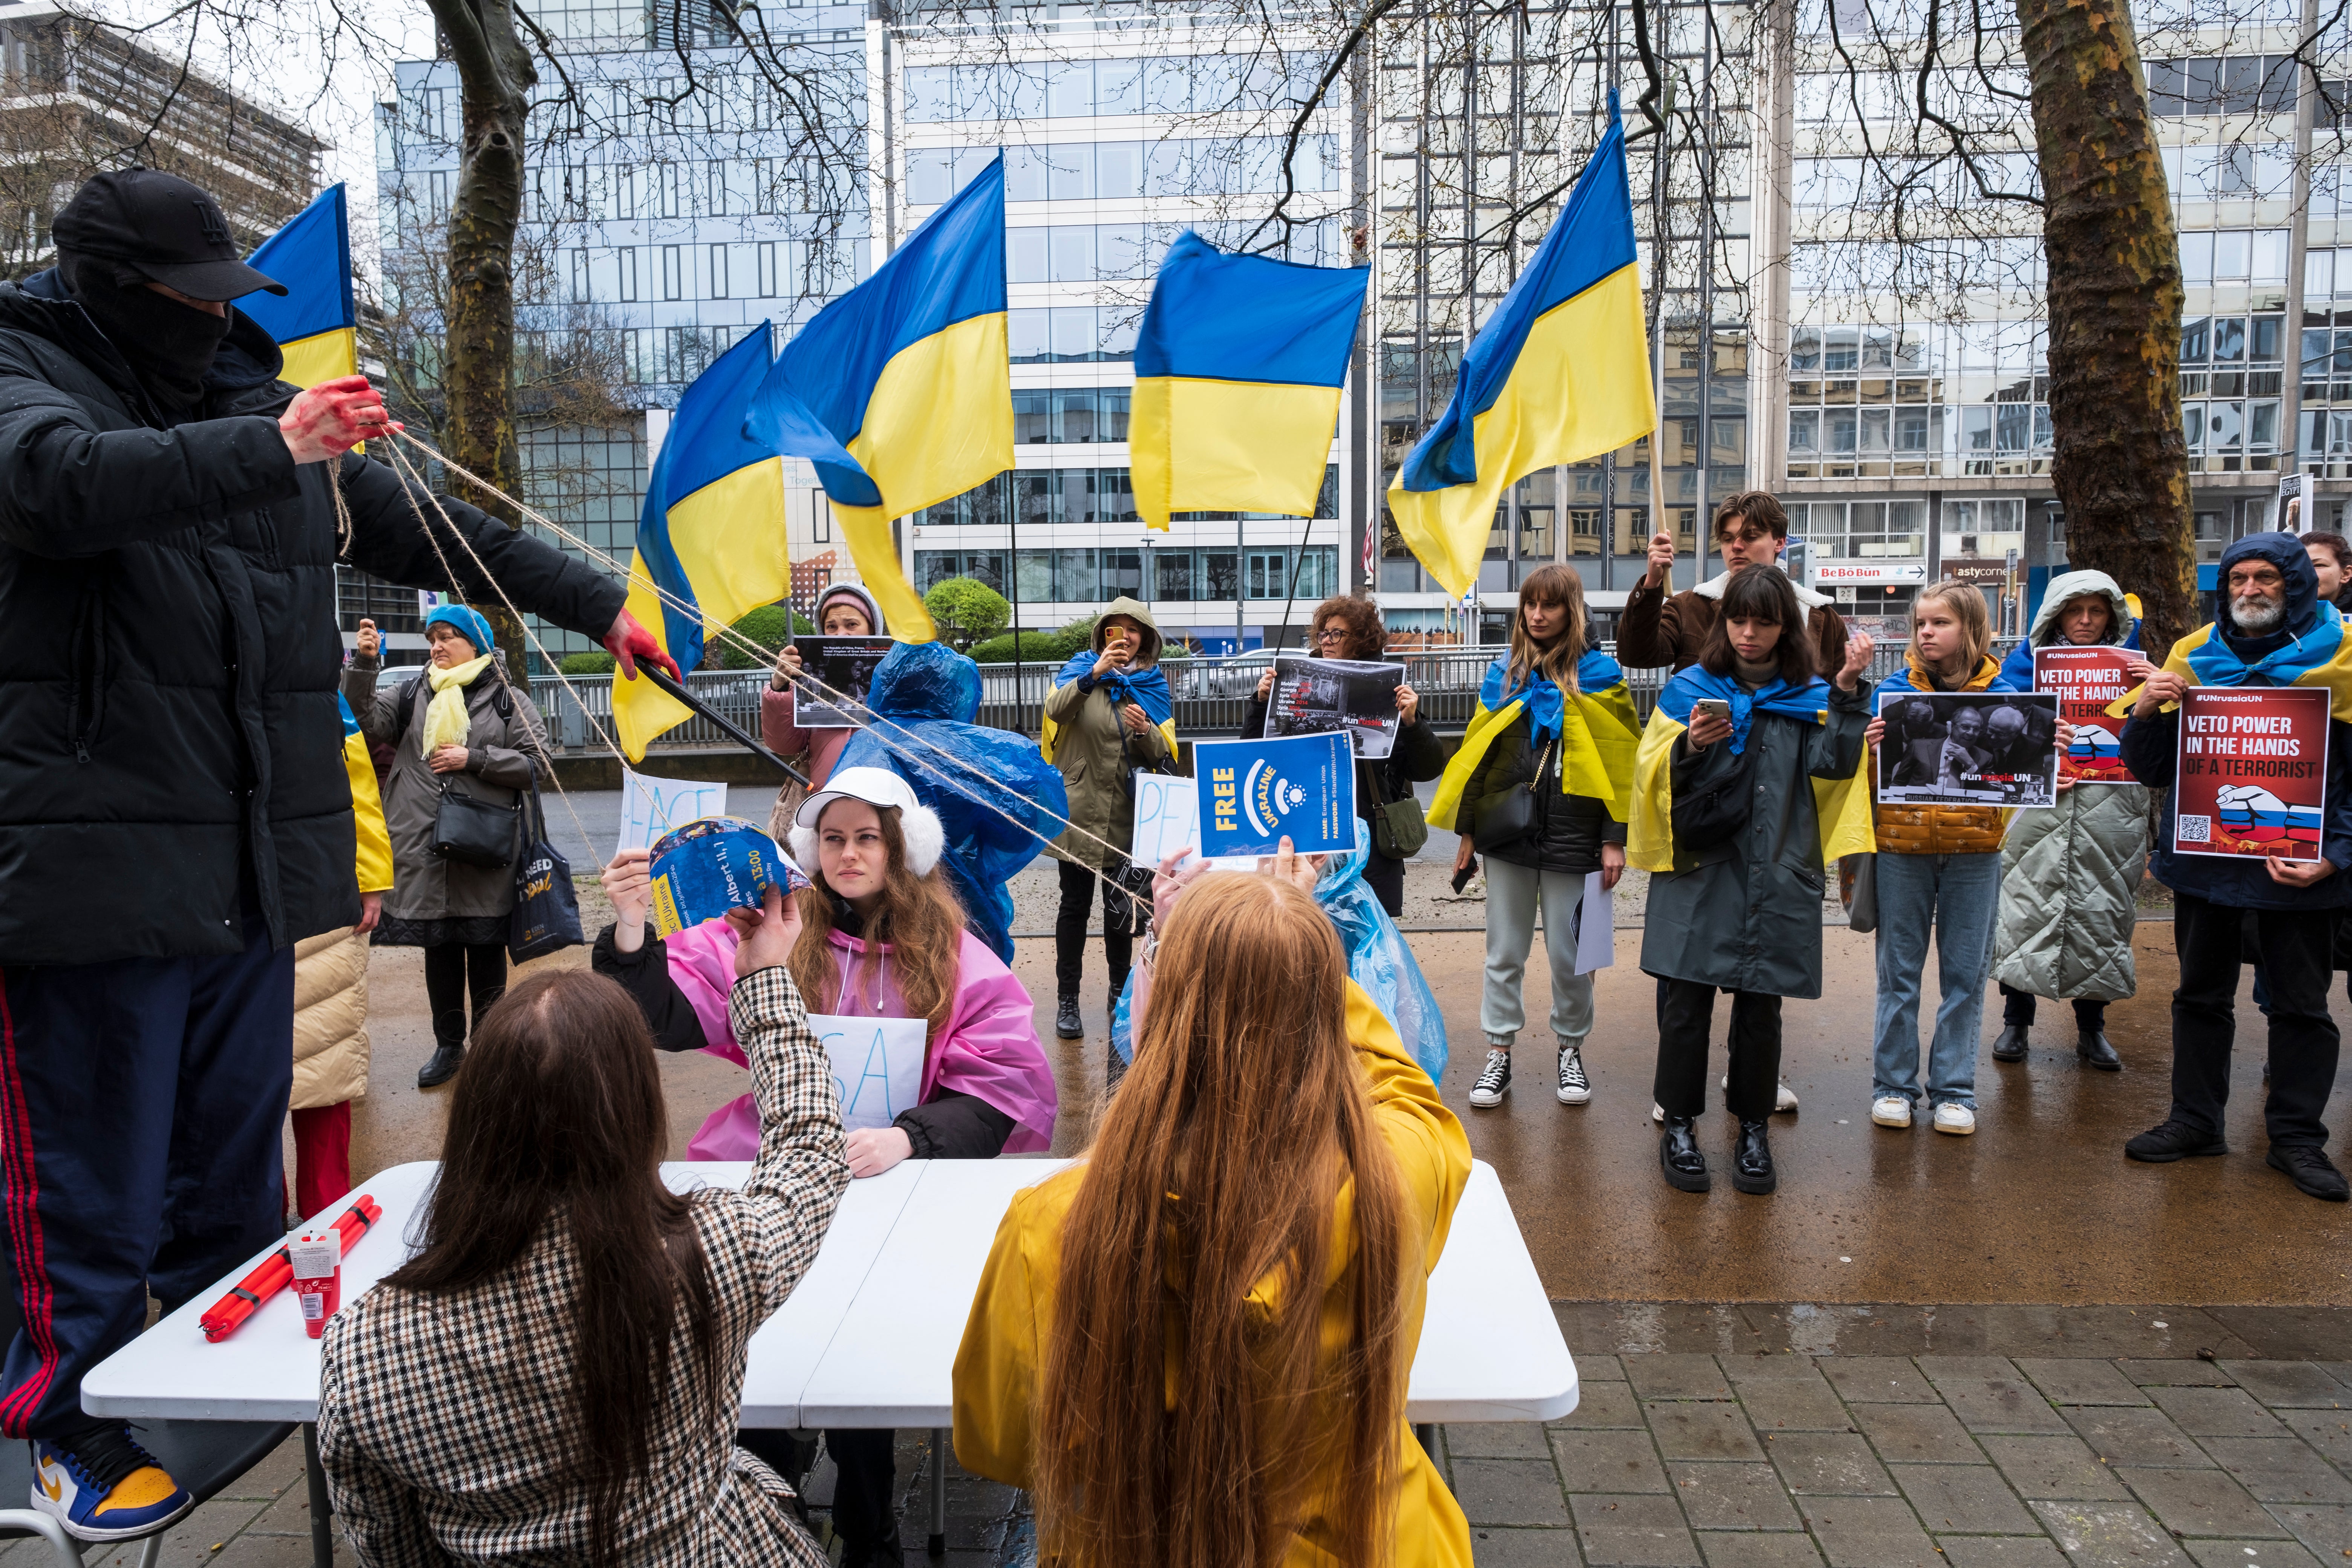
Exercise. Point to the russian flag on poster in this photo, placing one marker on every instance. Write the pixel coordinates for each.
(2252, 813)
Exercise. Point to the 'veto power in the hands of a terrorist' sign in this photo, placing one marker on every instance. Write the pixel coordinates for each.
(2253, 772)
(2089, 681)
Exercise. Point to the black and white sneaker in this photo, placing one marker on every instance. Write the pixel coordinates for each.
(1575, 1089)
(1495, 1082)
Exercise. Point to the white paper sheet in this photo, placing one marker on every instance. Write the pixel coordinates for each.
(651, 806)
(1596, 928)
(877, 1066)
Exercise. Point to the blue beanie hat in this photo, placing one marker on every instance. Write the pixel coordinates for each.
(468, 624)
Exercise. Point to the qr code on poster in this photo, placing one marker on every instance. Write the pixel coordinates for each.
(2195, 831)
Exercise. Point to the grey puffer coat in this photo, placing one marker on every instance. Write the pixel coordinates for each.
(1746, 915)
(2069, 876)
(500, 750)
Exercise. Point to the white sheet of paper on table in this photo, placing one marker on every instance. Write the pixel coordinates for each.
(1596, 927)
(651, 806)
(877, 1064)
(1168, 818)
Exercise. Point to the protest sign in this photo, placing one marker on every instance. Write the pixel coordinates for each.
(2253, 771)
(651, 807)
(1969, 748)
(706, 868)
(845, 665)
(2087, 681)
(877, 1064)
(1352, 696)
(1596, 926)
(1254, 794)
(1168, 818)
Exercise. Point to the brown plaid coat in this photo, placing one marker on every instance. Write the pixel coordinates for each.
(441, 1418)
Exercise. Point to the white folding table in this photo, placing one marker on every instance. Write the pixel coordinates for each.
(869, 1337)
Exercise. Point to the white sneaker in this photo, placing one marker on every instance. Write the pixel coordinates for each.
(1891, 1111)
(1495, 1082)
(1958, 1120)
(1575, 1089)
(1657, 1111)
(1787, 1099)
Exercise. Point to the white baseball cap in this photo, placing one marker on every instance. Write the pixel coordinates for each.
(874, 786)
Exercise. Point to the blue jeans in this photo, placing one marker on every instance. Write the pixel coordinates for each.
(1956, 896)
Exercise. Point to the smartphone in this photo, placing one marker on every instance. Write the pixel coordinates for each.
(1717, 706)
(1462, 878)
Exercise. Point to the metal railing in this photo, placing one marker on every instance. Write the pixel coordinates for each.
(1211, 695)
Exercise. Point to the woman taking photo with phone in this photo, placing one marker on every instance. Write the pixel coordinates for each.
(1746, 790)
(1539, 787)
(843, 610)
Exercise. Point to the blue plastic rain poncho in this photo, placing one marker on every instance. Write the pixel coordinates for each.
(1377, 959)
(928, 692)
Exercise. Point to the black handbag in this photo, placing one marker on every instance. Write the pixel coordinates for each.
(472, 831)
(1399, 829)
(547, 903)
(1713, 815)
(1501, 820)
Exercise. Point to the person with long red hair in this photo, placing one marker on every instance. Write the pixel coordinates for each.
(1141, 1356)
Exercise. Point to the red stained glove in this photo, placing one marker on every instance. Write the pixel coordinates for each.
(628, 642)
(331, 418)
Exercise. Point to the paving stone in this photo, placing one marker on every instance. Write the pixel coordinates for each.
(251, 1551)
(2000, 1404)
(2000, 1551)
(1877, 1379)
(2061, 1468)
(1869, 1533)
(2249, 1554)
(2075, 1380)
(1917, 1434)
(1602, 1405)
(1498, 1440)
(1598, 1369)
(2216, 1413)
(1771, 1366)
(1793, 1405)
(1828, 1464)
(1971, 1498)
(2288, 1333)
(2105, 1331)
(2110, 1535)
(2279, 1469)
(2198, 1502)
(1633, 1532)
(1608, 1462)
(1729, 1495)
(2326, 1530)
(1939, 1368)
(2290, 1384)
(1524, 1548)
(1701, 1430)
(2328, 1431)
(2174, 1372)
(1509, 1491)
(191, 1540)
(1670, 1376)
(2122, 1436)
(1759, 1549)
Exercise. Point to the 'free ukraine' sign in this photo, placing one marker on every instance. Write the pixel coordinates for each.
(1254, 794)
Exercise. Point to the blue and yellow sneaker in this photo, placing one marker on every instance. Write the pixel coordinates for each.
(102, 1486)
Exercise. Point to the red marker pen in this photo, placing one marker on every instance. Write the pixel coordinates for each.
(317, 1258)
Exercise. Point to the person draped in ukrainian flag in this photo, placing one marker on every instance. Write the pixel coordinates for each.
(1539, 788)
(1750, 780)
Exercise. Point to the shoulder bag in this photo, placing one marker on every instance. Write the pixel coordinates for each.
(472, 831)
(547, 904)
(1399, 829)
(1502, 820)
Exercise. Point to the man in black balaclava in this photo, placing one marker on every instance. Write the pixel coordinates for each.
(174, 815)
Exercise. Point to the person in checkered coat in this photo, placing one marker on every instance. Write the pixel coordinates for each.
(555, 1375)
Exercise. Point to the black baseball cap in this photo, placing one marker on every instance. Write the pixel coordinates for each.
(163, 227)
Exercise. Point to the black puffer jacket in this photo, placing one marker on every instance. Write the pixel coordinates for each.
(1573, 826)
(169, 740)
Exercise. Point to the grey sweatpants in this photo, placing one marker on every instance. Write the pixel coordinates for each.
(1513, 893)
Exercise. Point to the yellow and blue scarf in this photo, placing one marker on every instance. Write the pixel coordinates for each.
(2321, 657)
(1595, 725)
(1147, 689)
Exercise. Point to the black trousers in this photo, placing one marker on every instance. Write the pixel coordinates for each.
(1079, 885)
(1686, 1015)
(2016, 1007)
(2299, 948)
(451, 970)
(1385, 878)
(866, 1473)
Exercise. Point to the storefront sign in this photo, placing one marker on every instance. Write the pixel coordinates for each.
(1869, 573)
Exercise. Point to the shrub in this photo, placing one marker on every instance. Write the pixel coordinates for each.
(596, 663)
(967, 611)
(770, 626)
(1036, 647)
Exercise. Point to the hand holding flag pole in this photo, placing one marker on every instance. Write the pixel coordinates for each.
(661, 678)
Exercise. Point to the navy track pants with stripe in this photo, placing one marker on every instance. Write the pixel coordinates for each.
(141, 1108)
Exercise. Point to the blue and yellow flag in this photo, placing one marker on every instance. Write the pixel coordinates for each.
(1238, 367)
(1560, 374)
(711, 537)
(1594, 726)
(314, 321)
(909, 375)
(1840, 806)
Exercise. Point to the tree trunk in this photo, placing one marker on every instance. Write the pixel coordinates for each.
(496, 75)
(2115, 298)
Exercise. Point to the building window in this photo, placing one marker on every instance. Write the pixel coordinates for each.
(718, 272)
(626, 260)
(670, 269)
(767, 269)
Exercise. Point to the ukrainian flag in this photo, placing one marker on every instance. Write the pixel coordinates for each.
(1238, 367)
(1560, 374)
(710, 541)
(1598, 734)
(314, 322)
(909, 375)
(1840, 806)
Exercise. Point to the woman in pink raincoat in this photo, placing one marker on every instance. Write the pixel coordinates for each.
(881, 937)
